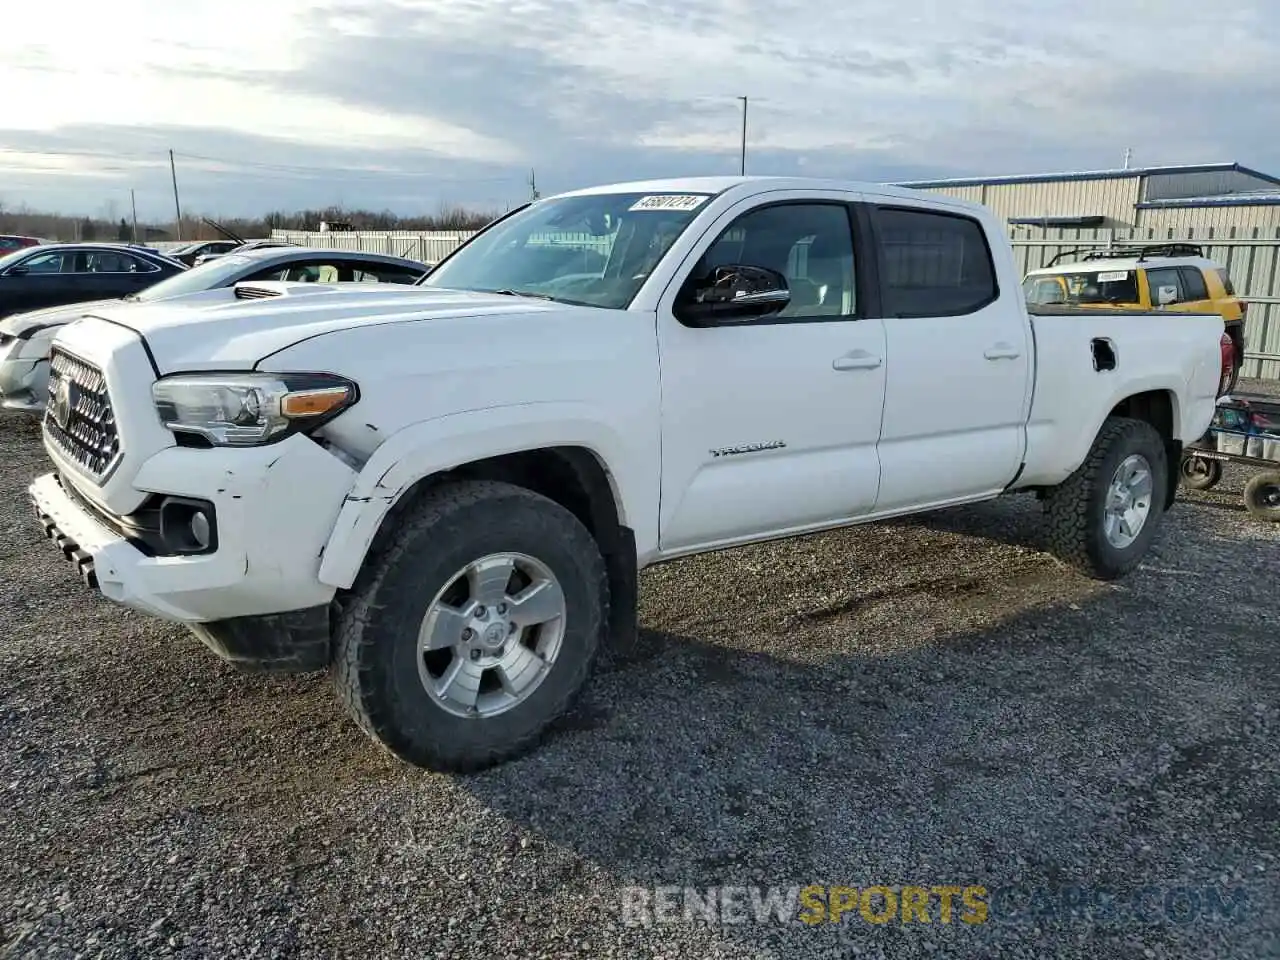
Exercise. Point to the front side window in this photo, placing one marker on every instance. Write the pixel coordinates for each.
(1165, 285)
(933, 264)
(595, 250)
(40, 263)
(810, 244)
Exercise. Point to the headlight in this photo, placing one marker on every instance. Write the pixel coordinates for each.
(249, 409)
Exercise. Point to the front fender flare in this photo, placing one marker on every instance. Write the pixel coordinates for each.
(432, 446)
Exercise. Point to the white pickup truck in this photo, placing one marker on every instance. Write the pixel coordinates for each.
(443, 493)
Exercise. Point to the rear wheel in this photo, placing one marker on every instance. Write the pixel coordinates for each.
(1262, 496)
(1200, 473)
(1102, 518)
(474, 628)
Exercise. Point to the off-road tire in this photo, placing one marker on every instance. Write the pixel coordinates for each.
(1192, 479)
(375, 668)
(1256, 496)
(1075, 508)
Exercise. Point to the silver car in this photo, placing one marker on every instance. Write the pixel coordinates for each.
(25, 337)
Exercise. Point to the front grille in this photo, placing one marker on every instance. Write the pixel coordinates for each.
(79, 418)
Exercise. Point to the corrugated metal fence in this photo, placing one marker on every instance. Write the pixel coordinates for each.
(426, 247)
(1252, 259)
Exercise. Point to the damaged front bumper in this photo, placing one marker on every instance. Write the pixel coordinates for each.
(248, 576)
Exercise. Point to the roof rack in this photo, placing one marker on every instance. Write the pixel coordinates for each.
(1135, 252)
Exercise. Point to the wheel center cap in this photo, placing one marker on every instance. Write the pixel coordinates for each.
(495, 634)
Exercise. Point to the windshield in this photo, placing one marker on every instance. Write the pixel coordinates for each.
(207, 276)
(1083, 287)
(595, 250)
(9, 259)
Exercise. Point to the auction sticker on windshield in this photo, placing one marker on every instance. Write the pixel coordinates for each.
(670, 202)
(1113, 276)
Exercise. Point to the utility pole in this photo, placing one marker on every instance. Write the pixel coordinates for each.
(533, 185)
(1128, 155)
(177, 207)
(743, 170)
(133, 202)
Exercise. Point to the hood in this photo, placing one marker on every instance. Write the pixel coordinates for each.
(224, 330)
(23, 325)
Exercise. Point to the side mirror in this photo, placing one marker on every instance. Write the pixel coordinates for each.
(1168, 295)
(733, 292)
(18, 271)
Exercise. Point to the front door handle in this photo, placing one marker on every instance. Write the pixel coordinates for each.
(857, 360)
(1002, 351)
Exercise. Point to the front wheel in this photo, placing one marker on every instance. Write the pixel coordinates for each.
(1103, 517)
(1262, 496)
(474, 628)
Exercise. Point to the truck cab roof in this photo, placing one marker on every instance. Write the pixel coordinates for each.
(751, 186)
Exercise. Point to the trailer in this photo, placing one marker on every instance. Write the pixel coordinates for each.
(1245, 430)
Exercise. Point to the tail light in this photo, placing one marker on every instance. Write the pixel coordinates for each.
(1228, 363)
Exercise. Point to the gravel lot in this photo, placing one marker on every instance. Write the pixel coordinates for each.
(924, 702)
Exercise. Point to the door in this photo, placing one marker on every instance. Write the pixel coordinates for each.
(63, 279)
(959, 361)
(16, 287)
(769, 425)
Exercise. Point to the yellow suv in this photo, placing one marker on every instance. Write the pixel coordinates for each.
(1171, 276)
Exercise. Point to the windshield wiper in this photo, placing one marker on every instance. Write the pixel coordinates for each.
(522, 293)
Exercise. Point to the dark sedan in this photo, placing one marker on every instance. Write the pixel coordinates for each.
(25, 339)
(55, 274)
(189, 253)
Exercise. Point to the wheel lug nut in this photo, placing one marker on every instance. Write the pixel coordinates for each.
(480, 611)
(502, 609)
(468, 633)
(475, 654)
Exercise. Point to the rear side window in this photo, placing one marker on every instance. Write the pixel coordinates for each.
(933, 264)
(1193, 285)
(1227, 285)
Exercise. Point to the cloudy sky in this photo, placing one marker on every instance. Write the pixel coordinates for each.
(409, 104)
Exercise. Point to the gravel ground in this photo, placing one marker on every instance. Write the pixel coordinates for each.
(925, 702)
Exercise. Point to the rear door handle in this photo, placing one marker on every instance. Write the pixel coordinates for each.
(1002, 351)
(857, 360)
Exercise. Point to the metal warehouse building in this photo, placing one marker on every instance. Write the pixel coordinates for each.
(1148, 199)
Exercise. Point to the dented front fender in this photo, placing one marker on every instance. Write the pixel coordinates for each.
(433, 446)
